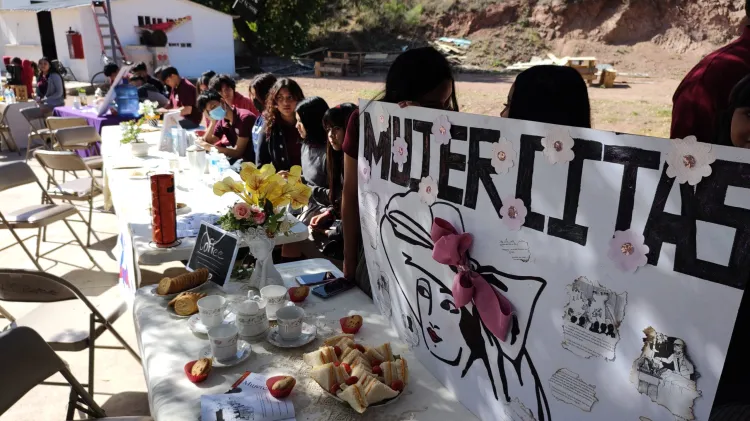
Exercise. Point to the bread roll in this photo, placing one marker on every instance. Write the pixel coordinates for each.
(186, 303)
(201, 367)
(183, 282)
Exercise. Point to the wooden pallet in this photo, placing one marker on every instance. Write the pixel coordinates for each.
(328, 69)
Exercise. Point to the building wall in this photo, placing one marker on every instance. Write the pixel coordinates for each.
(207, 42)
(62, 20)
(19, 35)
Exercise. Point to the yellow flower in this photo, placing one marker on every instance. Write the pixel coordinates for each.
(247, 171)
(299, 195)
(254, 178)
(295, 174)
(227, 185)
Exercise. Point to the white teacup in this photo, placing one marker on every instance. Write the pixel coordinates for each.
(290, 320)
(223, 340)
(251, 316)
(275, 296)
(211, 310)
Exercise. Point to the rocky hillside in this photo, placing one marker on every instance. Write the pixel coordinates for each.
(662, 37)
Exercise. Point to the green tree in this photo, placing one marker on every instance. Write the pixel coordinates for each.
(281, 28)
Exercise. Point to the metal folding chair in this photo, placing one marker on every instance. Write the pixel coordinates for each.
(6, 136)
(77, 138)
(36, 118)
(30, 362)
(15, 174)
(56, 123)
(79, 189)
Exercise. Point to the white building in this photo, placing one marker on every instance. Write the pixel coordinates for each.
(31, 29)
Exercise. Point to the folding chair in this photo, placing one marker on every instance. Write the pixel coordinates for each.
(15, 174)
(56, 123)
(29, 362)
(35, 116)
(79, 189)
(77, 138)
(5, 134)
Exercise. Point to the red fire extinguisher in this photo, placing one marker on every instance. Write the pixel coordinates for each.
(163, 211)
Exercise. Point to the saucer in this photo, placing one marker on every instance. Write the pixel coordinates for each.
(308, 335)
(244, 350)
(197, 326)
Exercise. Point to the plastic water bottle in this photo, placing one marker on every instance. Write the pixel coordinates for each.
(213, 164)
(12, 95)
(223, 165)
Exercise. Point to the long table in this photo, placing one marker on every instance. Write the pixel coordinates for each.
(167, 344)
(130, 196)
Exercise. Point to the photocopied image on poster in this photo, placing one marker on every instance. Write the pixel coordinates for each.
(592, 318)
(567, 386)
(369, 215)
(665, 373)
(517, 249)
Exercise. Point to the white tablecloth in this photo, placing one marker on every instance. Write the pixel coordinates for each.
(167, 344)
(131, 198)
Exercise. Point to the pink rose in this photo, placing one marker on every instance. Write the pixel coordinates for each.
(241, 210)
(259, 217)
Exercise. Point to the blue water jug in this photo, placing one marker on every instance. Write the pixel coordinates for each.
(126, 98)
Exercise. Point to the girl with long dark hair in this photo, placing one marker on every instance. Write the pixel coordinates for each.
(419, 77)
(281, 146)
(54, 95)
(259, 88)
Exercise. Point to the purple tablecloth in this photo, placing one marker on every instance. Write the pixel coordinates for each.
(91, 117)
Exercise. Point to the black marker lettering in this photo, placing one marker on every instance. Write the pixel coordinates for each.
(402, 177)
(631, 159)
(425, 128)
(529, 146)
(451, 161)
(380, 152)
(481, 169)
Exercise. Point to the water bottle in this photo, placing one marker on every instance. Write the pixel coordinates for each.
(127, 100)
(213, 164)
(223, 166)
(12, 95)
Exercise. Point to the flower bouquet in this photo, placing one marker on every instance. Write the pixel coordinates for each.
(262, 214)
(131, 132)
(147, 110)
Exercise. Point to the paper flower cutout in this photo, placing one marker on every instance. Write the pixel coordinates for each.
(558, 147)
(428, 190)
(400, 152)
(689, 160)
(514, 213)
(503, 156)
(628, 251)
(382, 120)
(441, 130)
(364, 170)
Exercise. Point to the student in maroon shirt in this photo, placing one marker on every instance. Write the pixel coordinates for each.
(227, 87)
(282, 144)
(230, 128)
(704, 93)
(419, 77)
(182, 95)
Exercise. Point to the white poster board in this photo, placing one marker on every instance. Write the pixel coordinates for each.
(624, 284)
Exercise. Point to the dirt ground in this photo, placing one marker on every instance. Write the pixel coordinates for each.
(641, 106)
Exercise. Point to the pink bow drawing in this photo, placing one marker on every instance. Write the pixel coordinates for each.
(450, 249)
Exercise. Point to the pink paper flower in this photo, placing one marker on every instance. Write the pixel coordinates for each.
(514, 213)
(364, 170)
(689, 160)
(400, 152)
(628, 251)
(241, 210)
(503, 156)
(259, 217)
(428, 190)
(441, 130)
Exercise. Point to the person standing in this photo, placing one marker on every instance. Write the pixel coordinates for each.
(182, 95)
(704, 92)
(226, 86)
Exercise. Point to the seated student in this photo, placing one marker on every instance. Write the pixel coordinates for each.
(226, 86)
(230, 122)
(147, 91)
(550, 94)
(205, 80)
(157, 73)
(141, 70)
(281, 145)
(259, 88)
(54, 88)
(110, 72)
(182, 96)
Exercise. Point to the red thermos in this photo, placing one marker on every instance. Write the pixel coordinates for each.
(163, 210)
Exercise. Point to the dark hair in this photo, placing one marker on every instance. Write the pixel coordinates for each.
(262, 83)
(111, 69)
(739, 98)
(338, 116)
(207, 96)
(747, 8)
(17, 61)
(140, 67)
(311, 111)
(270, 114)
(415, 73)
(219, 81)
(551, 94)
(53, 69)
(137, 78)
(205, 79)
(167, 72)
